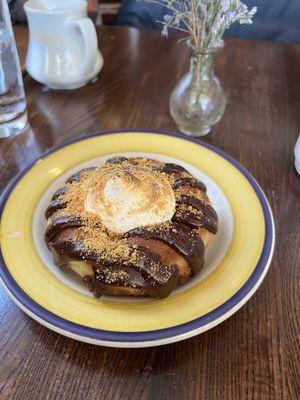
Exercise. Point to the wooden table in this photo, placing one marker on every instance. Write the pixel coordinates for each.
(253, 355)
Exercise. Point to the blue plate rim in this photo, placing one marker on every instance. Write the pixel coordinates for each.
(155, 335)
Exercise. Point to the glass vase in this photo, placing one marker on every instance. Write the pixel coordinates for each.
(198, 102)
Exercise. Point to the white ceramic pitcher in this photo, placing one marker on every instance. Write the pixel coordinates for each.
(63, 48)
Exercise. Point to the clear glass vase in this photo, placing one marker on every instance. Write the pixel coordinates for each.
(198, 102)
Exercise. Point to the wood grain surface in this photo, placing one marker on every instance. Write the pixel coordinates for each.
(255, 353)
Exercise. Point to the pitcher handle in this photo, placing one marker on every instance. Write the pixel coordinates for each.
(90, 42)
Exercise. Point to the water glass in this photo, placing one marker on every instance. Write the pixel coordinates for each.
(13, 115)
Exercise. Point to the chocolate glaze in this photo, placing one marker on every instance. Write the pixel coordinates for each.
(59, 224)
(190, 181)
(67, 250)
(56, 204)
(160, 279)
(76, 177)
(117, 160)
(149, 273)
(95, 287)
(123, 275)
(178, 236)
(59, 192)
(208, 218)
(170, 168)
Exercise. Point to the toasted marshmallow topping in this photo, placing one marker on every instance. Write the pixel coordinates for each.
(127, 197)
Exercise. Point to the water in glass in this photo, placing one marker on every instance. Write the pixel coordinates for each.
(13, 115)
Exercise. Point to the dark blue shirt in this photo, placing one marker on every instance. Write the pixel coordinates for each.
(277, 20)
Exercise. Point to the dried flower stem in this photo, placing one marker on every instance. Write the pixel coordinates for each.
(205, 21)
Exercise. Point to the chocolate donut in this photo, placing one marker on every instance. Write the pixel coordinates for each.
(133, 226)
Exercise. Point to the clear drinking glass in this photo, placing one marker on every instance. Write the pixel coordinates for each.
(13, 115)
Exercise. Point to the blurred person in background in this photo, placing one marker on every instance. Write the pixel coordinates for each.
(16, 10)
(277, 20)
